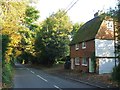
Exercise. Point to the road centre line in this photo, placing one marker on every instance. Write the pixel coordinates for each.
(28, 69)
(38, 75)
(42, 78)
(32, 72)
(57, 87)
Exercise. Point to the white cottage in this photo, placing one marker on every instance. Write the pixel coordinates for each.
(92, 48)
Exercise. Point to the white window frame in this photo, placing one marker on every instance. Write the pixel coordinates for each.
(84, 63)
(76, 46)
(83, 45)
(77, 61)
(109, 25)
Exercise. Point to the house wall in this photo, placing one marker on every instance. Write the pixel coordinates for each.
(105, 32)
(104, 52)
(106, 65)
(104, 48)
(90, 47)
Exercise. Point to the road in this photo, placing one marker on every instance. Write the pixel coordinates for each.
(0, 71)
(34, 78)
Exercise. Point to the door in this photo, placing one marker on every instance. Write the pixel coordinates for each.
(90, 66)
(72, 63)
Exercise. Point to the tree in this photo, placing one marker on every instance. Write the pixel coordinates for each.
(13, 14)
(116, 17)
(6, 67)
(28, 33)
(31, 16)
(11, 17)
(118, 28)
(52, 40)
(76, 26)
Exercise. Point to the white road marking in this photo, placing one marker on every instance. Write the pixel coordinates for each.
(28, 69)
(20, 68)
(57, 87)
(32, 72)
(42, 78)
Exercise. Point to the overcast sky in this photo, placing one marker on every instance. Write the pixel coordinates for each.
(82, 11)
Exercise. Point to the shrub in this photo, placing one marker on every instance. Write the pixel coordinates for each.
(7, 71)
(7, 74)
(116, 74)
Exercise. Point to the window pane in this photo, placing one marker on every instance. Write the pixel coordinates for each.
(76, 46)
(77, 61)
(83, 45)
(84, 61)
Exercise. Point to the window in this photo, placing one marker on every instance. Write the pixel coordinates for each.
(76, 46)
(109, 25)
(84, 61)
(77, 61)
(83, 45)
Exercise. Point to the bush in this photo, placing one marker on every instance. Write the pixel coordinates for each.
(7, 71)
(7, 74)
(116, 74)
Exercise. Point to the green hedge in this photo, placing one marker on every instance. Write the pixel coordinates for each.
(7, 70)
(116, 74)
(7, 75)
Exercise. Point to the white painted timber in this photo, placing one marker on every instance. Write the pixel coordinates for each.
(104, 48)
(106, 65)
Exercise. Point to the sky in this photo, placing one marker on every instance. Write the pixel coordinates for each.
(82, 11)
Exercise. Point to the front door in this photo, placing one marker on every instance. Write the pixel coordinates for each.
(90, 65)
(72, 63)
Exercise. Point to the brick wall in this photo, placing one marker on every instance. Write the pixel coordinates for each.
(90, 48)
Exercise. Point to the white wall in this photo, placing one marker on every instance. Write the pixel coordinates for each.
(106, 65)
(104, 48)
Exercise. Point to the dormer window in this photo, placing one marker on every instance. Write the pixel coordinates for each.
(76, 46)
(83, 45)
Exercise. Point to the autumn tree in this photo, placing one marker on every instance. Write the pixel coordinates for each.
(118, 28)
(115, 13)
(11, 17)
(28, 33)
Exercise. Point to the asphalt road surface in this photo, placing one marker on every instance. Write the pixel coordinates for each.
(34, 78)
(0, 71)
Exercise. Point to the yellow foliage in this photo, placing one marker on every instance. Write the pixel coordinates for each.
(15, 39)
(12, 13)
(17, 53)
(23, 62)
(9, 51)
(7, 58)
